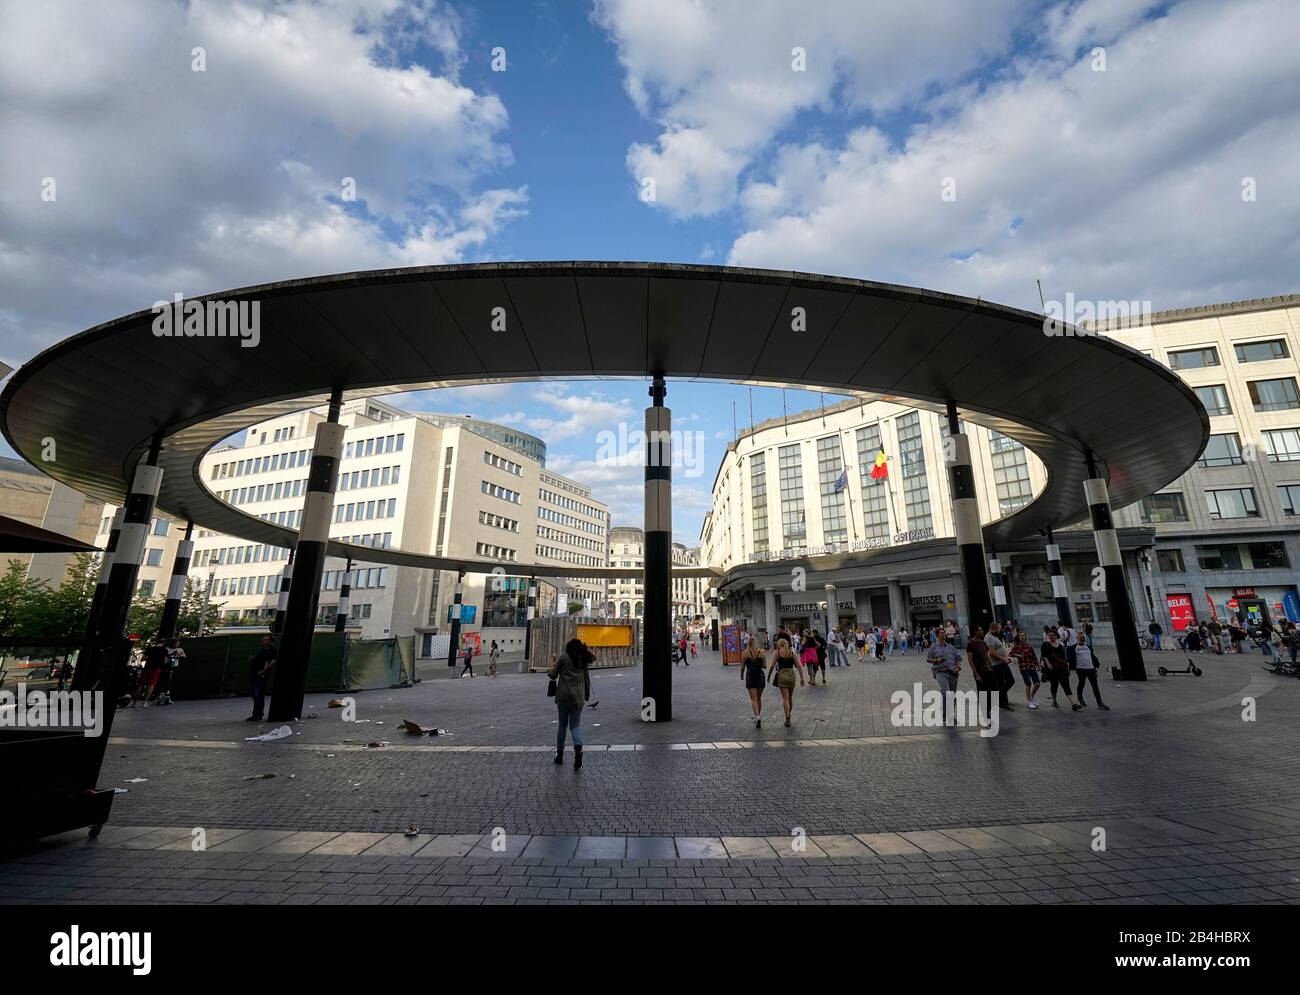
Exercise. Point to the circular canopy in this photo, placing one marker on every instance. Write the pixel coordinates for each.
(104, 393)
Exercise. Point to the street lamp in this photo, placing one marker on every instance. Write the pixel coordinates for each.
(207, 594)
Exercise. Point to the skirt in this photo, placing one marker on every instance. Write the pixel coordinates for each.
(785, 678)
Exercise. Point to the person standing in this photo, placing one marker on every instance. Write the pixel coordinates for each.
(174, 657)
(787, 667)
(870, 643)
(493, 656)
(1000, 661)
(753, 667)
(682, 648)
(860, 640)
(835, 646)
(1023, 654)
(977, 653)
(1056, 666)
(1216, 635)
(1084, 661)
(1156, 632)
(808, 655)
(468, 659)
(261, 665)
(1237, 634)
(889, 640)
(945, 665)
(572, 690)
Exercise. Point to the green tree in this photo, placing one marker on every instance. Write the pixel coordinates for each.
(22, 607)
(64, 611)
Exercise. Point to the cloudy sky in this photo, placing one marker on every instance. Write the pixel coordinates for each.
(1115, 149)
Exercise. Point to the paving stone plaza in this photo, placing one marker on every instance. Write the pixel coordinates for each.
(1196, 804)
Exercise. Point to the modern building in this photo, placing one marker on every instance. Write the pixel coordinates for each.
(31, 497)
(796, 506)
(1228, 531)
(627, 594)
(447, 485)
(690, 594)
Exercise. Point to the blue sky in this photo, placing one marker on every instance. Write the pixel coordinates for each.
(1101, 146)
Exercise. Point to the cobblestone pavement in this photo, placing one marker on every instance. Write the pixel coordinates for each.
(1177, 750)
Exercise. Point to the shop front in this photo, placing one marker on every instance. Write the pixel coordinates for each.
(930, 603)
(801, 610)
(1254, 604)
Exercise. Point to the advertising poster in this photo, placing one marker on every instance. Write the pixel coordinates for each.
(1180, 611)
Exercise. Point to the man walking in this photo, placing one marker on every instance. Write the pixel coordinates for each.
(945, 665)
(1000, 662)
(1084, 661)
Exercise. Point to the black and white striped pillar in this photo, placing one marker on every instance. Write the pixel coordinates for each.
(1122, 620)
(171, 612)
(713, 634)
(282, 599)
(657, 621)
(103, 668)
(290, 678)
(1060, 587)
(453, 642)
(999, 586)
(528, 623)
(105, 568)
(345, 600)
(966, 525)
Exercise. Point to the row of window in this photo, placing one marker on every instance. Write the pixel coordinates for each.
(261, 553)
(1246, 352)
(265, 492)
(363, 578)
(376, 446)
(260, 464)
(568, 556)
(363, 511)
(591, 511)
(501, 463)
(285, 434)
(504, 493)
(1229, 502)
(1281, 445)
(379, 476)
(380, 539)
(158, 526)
(560, 518)
(494, 552)
(572, 540)
(498, 521)
(1259, 555)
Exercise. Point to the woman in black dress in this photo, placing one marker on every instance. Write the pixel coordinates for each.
(753, 666)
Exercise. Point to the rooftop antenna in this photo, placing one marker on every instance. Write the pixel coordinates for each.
(1040, 295)
(821, 398)
(751, 409)
(785, 418)
(734, 434)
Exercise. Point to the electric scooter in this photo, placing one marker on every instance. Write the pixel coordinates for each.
(1191, 669)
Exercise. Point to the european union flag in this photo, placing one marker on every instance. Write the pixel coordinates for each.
(843, 481)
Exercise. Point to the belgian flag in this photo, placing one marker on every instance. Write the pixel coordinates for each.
(881, 470)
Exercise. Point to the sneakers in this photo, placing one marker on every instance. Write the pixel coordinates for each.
(1033, 704)
(1104, 708)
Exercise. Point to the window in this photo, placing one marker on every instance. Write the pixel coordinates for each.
(1264, 555)
(875, 506)
(1218, 557)
(757, 500)
(1010, 473)
(1236, 502)
(1170, 561)
(830, 465)
(1215, 399)
(146, 589)
(790, 472)
(1092, 611)
(1222, 450)
(153, 558)
(1261, 352)
(1282, 444)
(1160, 508)
(1194, 359)
(1290, 494)
(911, 457)
(1274, 395)
(159, 527)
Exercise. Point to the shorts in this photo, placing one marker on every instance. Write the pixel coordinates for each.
(1030, 677)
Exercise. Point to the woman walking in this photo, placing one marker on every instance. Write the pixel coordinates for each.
(572, 691)
(493, 657)
(753, 665)
(809, 655)
(1057, 667)
(787, 667)
(1023, 654)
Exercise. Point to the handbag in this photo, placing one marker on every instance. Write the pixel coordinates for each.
(550, 688)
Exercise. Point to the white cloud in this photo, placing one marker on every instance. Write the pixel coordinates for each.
(718, 79)
(1124, 183)
(583, 414)
(173, 180)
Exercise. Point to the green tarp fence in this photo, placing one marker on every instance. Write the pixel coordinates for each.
(217, 666)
